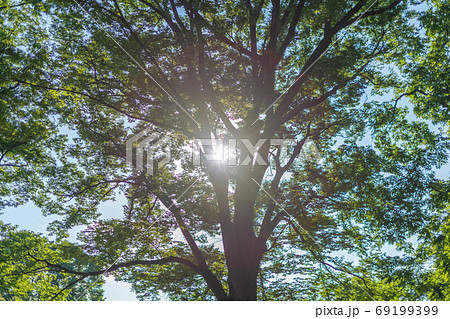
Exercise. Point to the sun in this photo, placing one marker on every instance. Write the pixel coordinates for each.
(221, 153)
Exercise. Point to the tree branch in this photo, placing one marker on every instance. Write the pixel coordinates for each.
(202, 268)
(322, 260)
(16, 5)
(67, 287)
(291, 32)
(221, 37)
(162, 261)
(136, 117)
(375, 12)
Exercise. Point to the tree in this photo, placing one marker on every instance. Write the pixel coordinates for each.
(24, 278)
(429, 84)
(28, 132)
(249, 71)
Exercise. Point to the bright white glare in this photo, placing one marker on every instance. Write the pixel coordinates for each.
(220, 152)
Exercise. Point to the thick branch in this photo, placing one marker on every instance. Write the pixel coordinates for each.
(291, 32)
(109, 105)
(114, 267)
(375, 12)
(202, 268)
(320, 49)
(220, 36)
(268, 225)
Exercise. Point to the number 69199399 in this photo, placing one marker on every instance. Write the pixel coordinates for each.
(406, 310)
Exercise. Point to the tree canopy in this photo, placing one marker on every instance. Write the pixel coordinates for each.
(362, 216)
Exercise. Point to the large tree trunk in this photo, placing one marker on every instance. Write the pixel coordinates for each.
(243, 253)
(242, 283)
(243, 249)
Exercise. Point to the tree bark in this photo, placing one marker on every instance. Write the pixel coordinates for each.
(243, 252)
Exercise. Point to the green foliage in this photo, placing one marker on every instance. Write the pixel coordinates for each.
(23, 276)
(366, 221)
